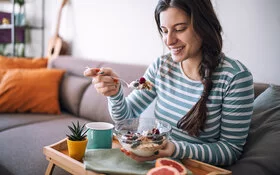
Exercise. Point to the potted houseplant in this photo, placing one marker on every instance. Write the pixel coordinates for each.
(77, 141)
(20, 17)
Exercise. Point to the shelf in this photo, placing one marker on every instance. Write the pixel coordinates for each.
(6, 26)
(12, 34)
(9, 26)
(34, 27)
(5, 35)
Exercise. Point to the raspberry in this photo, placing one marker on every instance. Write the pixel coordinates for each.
(155, 131)
(142, 80)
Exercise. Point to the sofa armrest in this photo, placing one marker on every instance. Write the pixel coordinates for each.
(259, 88)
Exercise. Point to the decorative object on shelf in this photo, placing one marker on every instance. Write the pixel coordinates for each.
(77, 141)
(21, 5)
(2, 49)
(57, 46)
(20, 16)
(5, 21)
(19, 19)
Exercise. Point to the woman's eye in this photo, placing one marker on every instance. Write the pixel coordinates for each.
(164, 31)
(180, 29)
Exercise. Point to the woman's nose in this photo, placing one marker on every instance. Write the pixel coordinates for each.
(170, 39)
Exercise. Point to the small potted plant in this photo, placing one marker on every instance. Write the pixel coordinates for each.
(77, 141)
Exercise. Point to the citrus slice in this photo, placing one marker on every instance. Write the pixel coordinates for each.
(163, 170)
(172, 163)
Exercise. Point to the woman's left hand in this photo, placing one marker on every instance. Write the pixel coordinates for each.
(167, 151)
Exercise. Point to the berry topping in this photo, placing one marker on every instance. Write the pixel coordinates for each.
(155, 131)
(135, 144)
(136, 84)
(150, 136)
(142, 80)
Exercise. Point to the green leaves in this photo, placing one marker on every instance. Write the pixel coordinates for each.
(77, 132)
(19, 2)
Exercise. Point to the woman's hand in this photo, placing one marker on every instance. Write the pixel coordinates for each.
(167, 151)
(103, 80)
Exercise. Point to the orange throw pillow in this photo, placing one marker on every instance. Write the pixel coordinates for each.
(21, 62)
(30, 90)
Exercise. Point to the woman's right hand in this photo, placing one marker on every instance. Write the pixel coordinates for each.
(104, 79)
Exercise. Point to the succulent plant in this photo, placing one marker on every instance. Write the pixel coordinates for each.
(77, 132)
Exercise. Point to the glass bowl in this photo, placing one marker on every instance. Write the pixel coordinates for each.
(142, 136)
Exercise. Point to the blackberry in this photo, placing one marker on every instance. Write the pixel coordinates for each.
(135, 144)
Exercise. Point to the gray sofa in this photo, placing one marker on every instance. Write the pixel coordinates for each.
(23, 136)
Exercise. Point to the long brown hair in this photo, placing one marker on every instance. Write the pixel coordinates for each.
(207, 26)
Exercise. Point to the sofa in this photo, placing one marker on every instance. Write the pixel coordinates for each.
(23, 135)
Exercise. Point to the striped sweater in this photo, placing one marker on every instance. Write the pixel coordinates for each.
(229, 106)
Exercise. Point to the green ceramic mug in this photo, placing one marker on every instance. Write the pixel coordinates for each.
(100, 135)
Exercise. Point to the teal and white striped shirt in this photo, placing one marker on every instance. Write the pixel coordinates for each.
(229, 106)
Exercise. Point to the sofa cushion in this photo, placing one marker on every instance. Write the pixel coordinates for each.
(259, 88)
(12, 120)
(71, 91)
(73, 65)
(21, 62)
(30, 90)
(93, 106)
(261, 153)
(22, 147)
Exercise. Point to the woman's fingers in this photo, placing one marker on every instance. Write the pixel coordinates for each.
(91, 72)
(104, 83)
(139, 158)
(103, 80)
(106, 89)
(165, 152)
(105, 71)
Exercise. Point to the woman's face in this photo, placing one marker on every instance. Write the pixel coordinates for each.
(178, 35)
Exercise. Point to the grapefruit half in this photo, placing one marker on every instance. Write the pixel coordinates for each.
(172, 163)
(163, 170)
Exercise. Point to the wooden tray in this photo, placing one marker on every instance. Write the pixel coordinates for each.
(57, 155)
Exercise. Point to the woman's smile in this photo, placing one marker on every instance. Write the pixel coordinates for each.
(176, 50)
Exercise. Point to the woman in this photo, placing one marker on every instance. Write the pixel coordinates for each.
(205, 96)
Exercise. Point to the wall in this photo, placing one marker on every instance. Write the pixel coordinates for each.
(119, 31)
(251, 34)
(124, 31)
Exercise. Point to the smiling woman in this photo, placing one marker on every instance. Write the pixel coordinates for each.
(176, 26)
(205, 96)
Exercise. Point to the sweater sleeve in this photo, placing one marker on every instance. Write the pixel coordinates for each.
(235, 120)
(121, 107)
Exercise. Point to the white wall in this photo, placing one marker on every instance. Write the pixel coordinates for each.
(125, 31)
(119, 31)
(252, 35)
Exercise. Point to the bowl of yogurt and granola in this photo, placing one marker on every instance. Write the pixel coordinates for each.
(142, 136)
